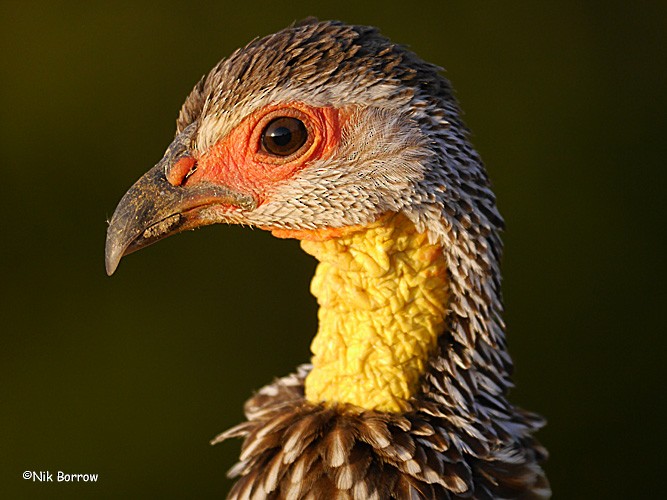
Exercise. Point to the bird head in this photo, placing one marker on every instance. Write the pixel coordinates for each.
(317, 128)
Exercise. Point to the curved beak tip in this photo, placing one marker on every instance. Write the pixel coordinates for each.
(112, 255)
(153, 208)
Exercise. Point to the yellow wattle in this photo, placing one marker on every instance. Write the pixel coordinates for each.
(382, 291)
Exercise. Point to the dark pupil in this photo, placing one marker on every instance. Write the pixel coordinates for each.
(284, 136)
(281, 136)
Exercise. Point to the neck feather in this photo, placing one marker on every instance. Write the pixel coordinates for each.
(382, 291)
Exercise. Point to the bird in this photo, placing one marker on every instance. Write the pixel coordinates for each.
(331, 134)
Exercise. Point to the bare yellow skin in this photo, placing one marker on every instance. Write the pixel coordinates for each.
(382, 291)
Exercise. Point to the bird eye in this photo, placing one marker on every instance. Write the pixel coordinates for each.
(284, 136)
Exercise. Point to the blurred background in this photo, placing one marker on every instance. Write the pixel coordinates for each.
(131, 376)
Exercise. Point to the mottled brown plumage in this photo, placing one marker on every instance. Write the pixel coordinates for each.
(294, 449)
(405, 150)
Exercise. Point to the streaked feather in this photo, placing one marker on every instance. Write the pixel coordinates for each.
(460, 438)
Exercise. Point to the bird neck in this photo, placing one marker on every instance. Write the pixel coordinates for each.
(382, 291)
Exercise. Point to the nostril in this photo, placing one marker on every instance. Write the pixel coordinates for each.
(181, 170)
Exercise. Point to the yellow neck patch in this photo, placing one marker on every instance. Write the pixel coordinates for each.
(382, 291)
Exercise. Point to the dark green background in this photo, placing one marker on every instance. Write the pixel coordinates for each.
(130, 376)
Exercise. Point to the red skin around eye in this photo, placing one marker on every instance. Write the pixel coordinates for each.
(238, 161)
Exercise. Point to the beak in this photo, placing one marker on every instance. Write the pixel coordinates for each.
(154, 208)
